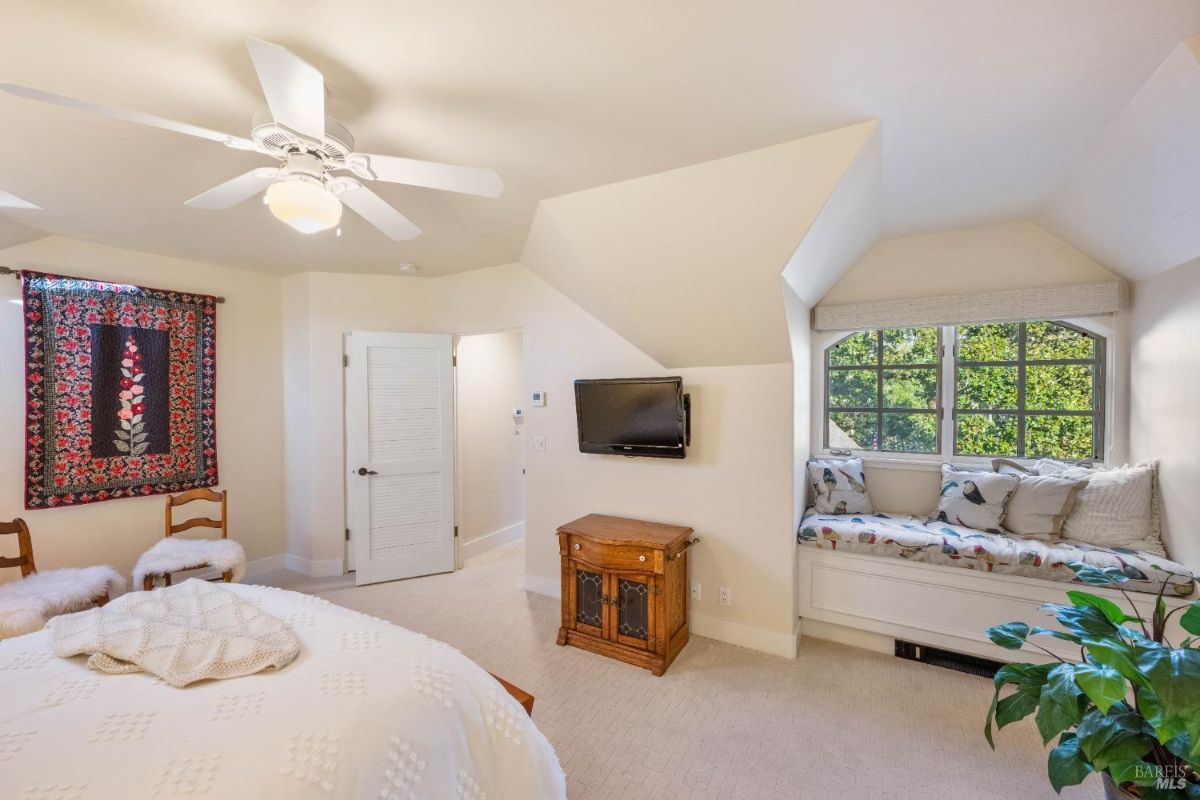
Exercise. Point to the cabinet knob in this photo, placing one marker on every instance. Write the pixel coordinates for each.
(578, 546)
(641, 558)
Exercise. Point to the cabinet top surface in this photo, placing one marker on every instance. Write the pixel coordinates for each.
(620, 530)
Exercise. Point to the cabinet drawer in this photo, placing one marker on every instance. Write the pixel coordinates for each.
(610, 556)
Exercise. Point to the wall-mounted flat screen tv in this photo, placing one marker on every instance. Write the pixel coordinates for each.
(632, 417)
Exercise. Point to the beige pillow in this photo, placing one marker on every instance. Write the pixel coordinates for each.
(1115, 509)
(1041, 503)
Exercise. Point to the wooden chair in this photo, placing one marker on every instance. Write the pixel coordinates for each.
(177, 554)
(26, 604)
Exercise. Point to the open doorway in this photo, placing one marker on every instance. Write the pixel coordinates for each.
(489, 441)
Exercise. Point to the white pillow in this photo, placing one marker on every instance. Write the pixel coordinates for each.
(839, 486)
(1115, 509)
(1041, 503)
(973, 499)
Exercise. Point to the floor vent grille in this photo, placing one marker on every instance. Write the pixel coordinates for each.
(972, 665)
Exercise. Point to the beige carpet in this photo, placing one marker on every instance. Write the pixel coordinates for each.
(724, 722)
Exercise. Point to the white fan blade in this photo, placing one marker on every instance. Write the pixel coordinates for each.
(295, 89)
(12, 201)
(429, 174)
(376, 211)
(236, 142)
(235, 190)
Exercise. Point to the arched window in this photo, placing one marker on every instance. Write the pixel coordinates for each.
(1029, 389)
(1020, 389)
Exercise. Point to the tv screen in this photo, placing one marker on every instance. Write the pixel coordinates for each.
(632, 416)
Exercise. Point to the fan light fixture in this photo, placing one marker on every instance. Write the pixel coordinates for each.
(304, 204)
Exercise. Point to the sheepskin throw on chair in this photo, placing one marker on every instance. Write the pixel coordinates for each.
(119, 390)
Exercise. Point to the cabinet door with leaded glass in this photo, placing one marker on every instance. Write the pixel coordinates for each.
(633, 600)
(589, 599)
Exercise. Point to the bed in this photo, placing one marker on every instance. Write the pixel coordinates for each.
(367, 710)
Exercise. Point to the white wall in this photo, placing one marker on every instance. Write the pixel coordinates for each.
(490, 443)
(249, 395)
(734, 488)
(1166, 384)
(991, 258)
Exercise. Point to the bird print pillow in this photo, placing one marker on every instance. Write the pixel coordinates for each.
(839, 486)
(974, 499)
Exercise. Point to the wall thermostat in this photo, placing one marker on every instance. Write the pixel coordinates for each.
(539, 398)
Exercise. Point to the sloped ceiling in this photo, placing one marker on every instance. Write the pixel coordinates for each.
(1133, 201)
(686, 264)
(985, 106)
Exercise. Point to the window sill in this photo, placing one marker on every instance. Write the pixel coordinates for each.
(930, 463)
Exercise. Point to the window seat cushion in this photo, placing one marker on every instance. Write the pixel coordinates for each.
(904, 536)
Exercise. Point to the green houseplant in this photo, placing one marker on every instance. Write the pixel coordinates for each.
(1129, 708)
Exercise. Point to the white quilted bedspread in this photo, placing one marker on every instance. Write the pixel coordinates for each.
(367, 710)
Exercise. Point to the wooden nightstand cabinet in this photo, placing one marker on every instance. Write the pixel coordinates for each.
(625, 589)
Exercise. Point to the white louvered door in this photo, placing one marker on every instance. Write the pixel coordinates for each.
(400, 454)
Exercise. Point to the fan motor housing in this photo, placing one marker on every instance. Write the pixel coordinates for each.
(278, 141)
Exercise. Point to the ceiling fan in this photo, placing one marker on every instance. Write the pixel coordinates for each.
(12, 201)
(302, 190)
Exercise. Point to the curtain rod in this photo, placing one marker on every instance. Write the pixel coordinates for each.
(16, 273)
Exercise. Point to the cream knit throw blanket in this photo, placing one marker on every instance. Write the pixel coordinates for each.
(190, 632)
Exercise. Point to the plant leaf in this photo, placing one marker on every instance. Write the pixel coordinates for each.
(121, 446)
(1190, 621)
(1165, 727)
(1017, 706)
(1067, 766)
(1057, 634)
(1174, 675)
(140, 448)
(1010, 635)
(1137, 772)
(1108, 608)
(1095, 576)
(1119, 656)
(1103, 685)
(1107, 739)
(1058, 704)
(1085, 621)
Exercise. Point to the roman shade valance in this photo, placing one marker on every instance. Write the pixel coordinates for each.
(1008, 305)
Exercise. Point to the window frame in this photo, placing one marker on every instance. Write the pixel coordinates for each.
(1105, 333)
(879, 367)
(1098, 363)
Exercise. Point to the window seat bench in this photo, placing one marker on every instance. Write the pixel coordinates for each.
(904, 536)
(864, 579)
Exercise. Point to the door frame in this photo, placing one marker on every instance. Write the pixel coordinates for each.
(458, 459)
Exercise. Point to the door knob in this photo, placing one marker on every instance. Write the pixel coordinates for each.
(365, 471)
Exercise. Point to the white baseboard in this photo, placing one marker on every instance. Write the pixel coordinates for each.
(493, 540)
(321, 568)
(777, 644)
(551, 587)
(262, 566)
(855, 637)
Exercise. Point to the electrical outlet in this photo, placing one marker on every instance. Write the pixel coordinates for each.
(539, 444)
(696, 592)
(726, 596)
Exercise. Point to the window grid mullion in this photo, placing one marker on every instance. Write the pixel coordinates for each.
(1021, 390)
(879, 391)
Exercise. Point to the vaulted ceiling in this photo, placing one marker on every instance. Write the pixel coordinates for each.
(985, 108)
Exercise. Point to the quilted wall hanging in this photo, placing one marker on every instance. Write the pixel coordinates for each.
(119, 390)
